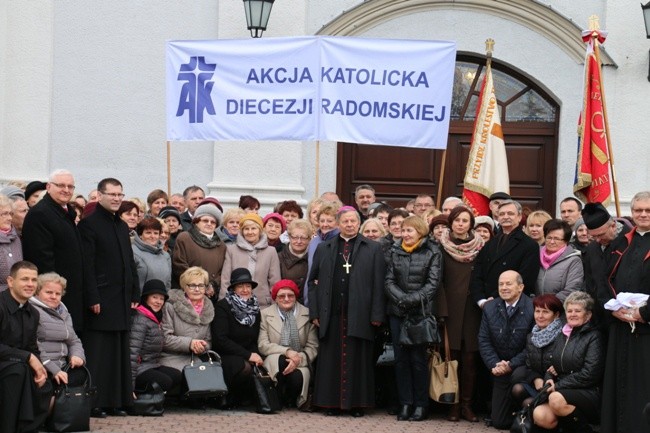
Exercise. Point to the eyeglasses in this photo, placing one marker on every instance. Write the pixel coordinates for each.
(552, 239)
(63, 186)
(196, 287)
(286, 296)
(421, 205)
(113, 194)
(208, 221)
(299, 238)
(6, 214)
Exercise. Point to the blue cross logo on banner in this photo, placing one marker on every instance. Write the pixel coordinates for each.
(195, 93)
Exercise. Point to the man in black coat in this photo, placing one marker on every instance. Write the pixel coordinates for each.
(23, 407)
(502, 341)
(512, 250)
(111, 291)
(347, 303)
(193, 195)
(52, 242)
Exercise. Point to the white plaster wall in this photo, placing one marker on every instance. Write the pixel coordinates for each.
(108, 110)
(25, 88)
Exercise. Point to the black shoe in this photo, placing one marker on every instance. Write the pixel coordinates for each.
(116, 411)
(97, 412)
(404, 413)
(419, 414)
(357, 412)
(333, 412)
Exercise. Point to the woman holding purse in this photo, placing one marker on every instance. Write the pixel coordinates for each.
(412, 279)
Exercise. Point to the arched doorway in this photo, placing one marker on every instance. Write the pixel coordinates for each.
(529, 116)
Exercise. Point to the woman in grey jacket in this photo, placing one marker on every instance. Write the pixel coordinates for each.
(561, 270)
(412, 279)
(151, 260)
(57, 341)
(147, 339)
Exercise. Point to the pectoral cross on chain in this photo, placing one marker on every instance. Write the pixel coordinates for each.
(347, 267)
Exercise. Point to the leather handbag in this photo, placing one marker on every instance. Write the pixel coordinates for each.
(418, 330)
(268, 400)
(149, 401)
(387, 357)
(72, 405)
(443, 386)
(205, 378)
(523, 422)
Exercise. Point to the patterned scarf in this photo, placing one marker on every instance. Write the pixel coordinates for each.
(202, 240)
(461, 250)
(245, 312)
(289, 336)
(543, 337)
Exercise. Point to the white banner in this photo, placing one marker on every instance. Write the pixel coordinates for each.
(372, 91)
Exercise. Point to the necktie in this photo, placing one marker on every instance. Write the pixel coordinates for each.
(510, 310)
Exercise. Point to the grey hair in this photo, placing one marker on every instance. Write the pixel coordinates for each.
(59, 172)
(580, 298)
(452, 198)
(51, 277)
(513, 202)
(642, 195)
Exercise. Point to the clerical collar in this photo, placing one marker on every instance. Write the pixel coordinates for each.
(642, 233)
(347, 239)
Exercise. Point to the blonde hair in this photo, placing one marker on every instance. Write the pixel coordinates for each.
(233, 213)
(51, 277)
(193, 272)
(374, 221)
(328, 208)
(301, 224)
(418, 224)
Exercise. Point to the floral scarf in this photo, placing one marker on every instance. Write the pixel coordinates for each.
(543, 337)
(245, 312)
(461, 250)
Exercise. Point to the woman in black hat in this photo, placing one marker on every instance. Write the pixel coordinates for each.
(147, 338)
(235, 329)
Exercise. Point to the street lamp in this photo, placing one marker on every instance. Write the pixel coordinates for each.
(257, 15)
(646, 18)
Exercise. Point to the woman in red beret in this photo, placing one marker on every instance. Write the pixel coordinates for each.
(289, 342)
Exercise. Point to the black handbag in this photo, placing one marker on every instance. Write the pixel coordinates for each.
(149, 401)
(418, 330)
(523, 422)
(387, 357)
(268, 401)
(205, 378)
(72, 405)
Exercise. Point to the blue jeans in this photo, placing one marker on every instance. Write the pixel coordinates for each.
(411, 369)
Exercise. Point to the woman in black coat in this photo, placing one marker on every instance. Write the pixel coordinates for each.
(576, 371)
(235, 330)
(412, 279)
(147, 339)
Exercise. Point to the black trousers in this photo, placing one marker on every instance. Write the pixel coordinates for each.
(168, 378)
(502, 402)
(23, 406)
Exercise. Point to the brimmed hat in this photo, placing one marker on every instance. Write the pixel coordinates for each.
(170, 211)
(240, 276)
(152, 287)
(211, 210)
(484, 219)
(34, 187)
(284, 284)
(213, 201)
(595, 215)
(251, 217)
(500, 195)
(12, 192)
(276, 216)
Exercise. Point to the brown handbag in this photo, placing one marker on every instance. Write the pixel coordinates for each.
(443, 385)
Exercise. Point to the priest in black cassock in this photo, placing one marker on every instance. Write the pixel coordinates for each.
(346, 302)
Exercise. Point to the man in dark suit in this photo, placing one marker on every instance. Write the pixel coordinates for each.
(23, 404)
(347, 303)
(511, 249)
(502, 341)
(52, 242)
(193, 196)
(111, 290)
